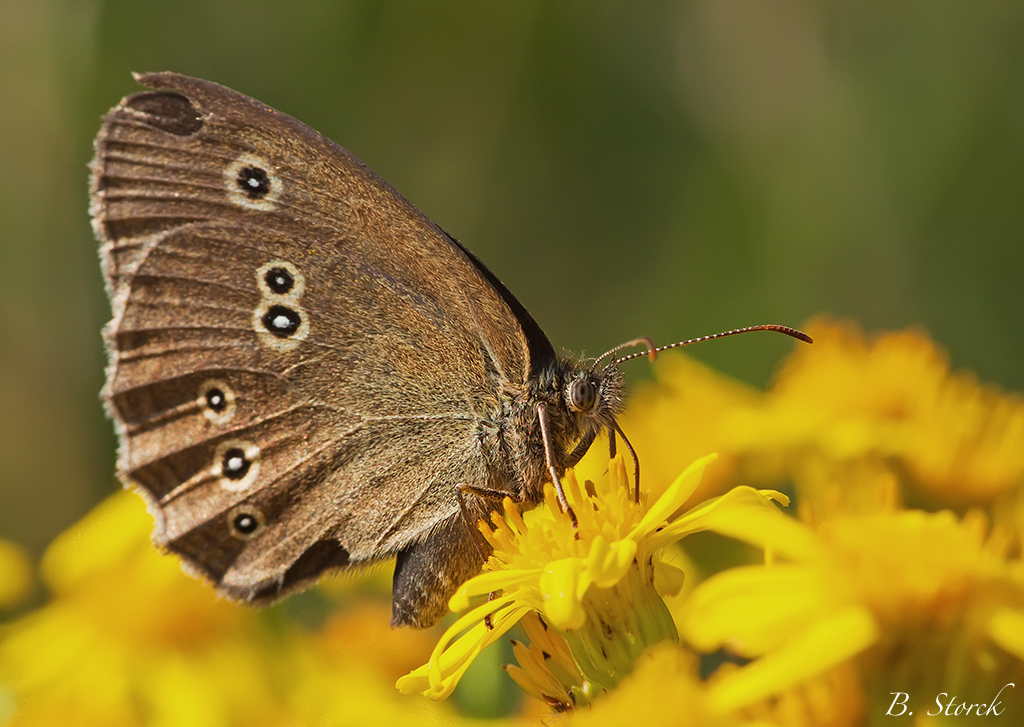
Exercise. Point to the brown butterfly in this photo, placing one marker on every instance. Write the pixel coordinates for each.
(305, 372)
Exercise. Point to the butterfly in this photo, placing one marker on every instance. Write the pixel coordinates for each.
(307, 374)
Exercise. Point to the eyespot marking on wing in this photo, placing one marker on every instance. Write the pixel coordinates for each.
(280, 325)
(216, 400)
(280, 279)
(236, 464)
(279, 320)
(245, 521)
(252, 182)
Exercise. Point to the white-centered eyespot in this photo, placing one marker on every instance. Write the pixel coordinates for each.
(252, 182)
(237, 464)
(281, 280)
(280, 324)
(245, 521)
(216, 400)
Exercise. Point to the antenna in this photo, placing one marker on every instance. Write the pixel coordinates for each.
(651, 352)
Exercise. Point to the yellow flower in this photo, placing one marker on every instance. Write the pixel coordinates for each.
(15, 573)
(128, 639)
(894, 397)
(600, 586)
(858, 599)
(665, 689)
(845, 413)
(127, 635)
(922, 602)
(834, 698)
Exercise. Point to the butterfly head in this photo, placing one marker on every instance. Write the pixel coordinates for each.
(593, 396)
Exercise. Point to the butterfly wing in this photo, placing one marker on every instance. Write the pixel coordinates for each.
(300, 361)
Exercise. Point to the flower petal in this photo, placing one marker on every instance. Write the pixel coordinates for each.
(752, 609)
(668, 580)
(15, 572)
(1006, 627)
(608, 562)
(674, 497)
(562, 585)
(489, 583)
(822, 645)
(748, 515)
(438, 678)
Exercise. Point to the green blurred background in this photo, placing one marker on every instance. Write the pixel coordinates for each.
(661, 168)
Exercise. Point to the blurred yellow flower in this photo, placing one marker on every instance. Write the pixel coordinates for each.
(862, 609)
(599, 586)
(922, 602)
(128, 639)
(15, 573)
(665, 689)
(894, 397)
(844, 413)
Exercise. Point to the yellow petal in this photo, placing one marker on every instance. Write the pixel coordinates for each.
(753, 609)
(748, 515)
(15, 572)
(755, 521)
(823, 644)
(438, 678)
(563, 584)
(673, 498)
(501, 580)
(1006, 627)
(112, 532)
(608, 562)
(449, 649)
(668, 580)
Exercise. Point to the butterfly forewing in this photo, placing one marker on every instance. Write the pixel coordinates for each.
(300, 361)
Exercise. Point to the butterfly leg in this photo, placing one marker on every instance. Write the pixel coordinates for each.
(580, 449)
(636, 460)
(490, 494)
(549, 456)
(485, 493)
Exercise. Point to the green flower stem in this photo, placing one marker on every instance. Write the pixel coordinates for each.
(623, 622)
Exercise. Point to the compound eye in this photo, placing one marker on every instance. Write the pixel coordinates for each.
(582, 394)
